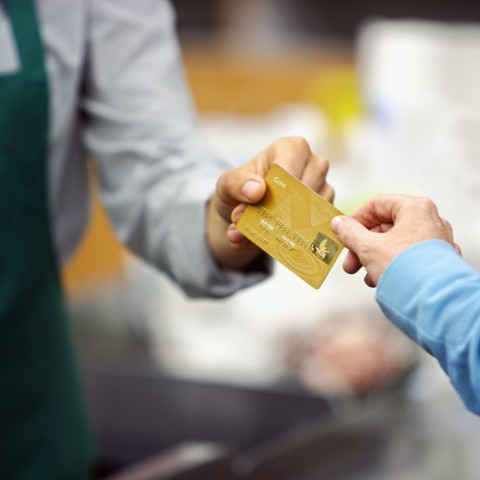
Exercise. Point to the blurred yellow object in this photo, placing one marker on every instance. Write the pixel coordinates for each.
(239, 82)
(99, 258)
(336, 91)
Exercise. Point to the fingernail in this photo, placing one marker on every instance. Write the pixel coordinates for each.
(336, 223)
(233, 234)
(237, 212)
(250, 189)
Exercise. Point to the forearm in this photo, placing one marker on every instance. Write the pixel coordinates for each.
(156, 171)
(220, 247)
(433, 295)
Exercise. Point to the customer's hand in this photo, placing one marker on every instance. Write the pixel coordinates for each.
(385, 226)
(238, 187)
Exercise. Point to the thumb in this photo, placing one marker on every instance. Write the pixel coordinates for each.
(240, 185)
(237, 186)
(350, 232)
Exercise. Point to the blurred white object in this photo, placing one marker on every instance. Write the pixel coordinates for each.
(409, 64)
(238, 137)
(419, 81)
(354, 352)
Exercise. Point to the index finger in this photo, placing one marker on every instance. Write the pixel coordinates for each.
(295, 156)
(291, 153)
(381, 211)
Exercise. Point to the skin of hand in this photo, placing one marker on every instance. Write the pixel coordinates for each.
(239, 187)
(384, 227)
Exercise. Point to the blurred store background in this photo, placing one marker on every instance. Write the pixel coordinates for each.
(283, 381)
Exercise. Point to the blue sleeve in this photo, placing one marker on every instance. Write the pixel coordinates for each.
(433, 295)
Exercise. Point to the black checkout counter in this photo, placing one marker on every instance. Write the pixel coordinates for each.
(225, 432)
(150, 425)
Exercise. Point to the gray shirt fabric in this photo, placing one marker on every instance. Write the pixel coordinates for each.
(118, 94)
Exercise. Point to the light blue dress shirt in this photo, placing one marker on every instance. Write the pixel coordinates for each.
(118, 94)
(433, 295)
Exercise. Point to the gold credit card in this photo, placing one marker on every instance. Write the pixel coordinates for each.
(292, 224)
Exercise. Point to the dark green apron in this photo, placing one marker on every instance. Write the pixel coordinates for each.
(43, 429)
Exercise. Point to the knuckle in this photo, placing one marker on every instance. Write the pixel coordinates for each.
(295, 141)
(323, 165)
(230, 180)
(328, 192)
(345, 235)
(448, 227)
(429, 206)
(299, 142)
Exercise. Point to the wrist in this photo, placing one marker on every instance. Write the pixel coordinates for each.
(220, 248)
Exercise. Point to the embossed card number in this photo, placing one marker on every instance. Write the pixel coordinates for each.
(292, 224)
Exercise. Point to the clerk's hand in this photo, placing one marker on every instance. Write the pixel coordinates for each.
(384, 227)
(245, 185)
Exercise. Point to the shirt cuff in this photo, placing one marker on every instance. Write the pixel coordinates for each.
(407, 274)
(192, 265)
(411, 266)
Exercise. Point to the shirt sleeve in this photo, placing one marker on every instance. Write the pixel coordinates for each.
(156, 171)
(433, 295)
